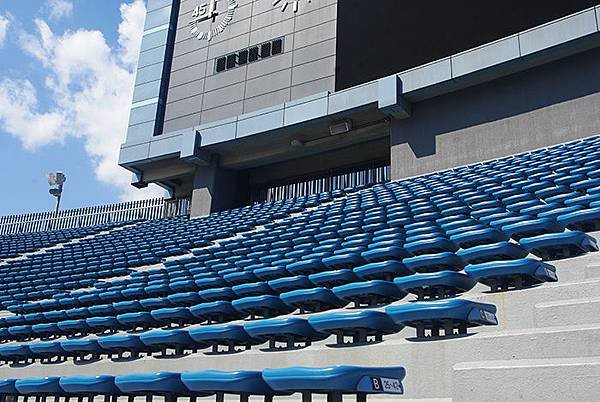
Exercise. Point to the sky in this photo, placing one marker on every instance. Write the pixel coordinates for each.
(67, 69)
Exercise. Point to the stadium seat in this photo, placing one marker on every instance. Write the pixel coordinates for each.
(162, 384)
(443, 261)
(370, 293)
(336, 381)
(492, 252)
(242, 383)
(78, 349)
(449, 315)
(100, 385)
(216, 312)
(173, 339)
(555, 246)
(47, 351)
(587, 220)
(514, 274)
(40, 386)
(231, 336)
(118, 345)
(361, 326)
(312, 300)
(261, 306)
(290, 331)
(435, 285)
(385, 270)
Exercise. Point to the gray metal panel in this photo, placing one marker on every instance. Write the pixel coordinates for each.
(224, 130)
(557, 32)
(352, 98)
(261, 121)
(165, 145)
(306, 109)
(426, 75)
(485, 56)
(133, 153)
(145, 91)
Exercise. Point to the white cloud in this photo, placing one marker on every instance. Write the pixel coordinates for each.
(59, 8)
(4, 23)
(91, 86)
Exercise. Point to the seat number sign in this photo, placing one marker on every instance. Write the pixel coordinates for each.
(387, 385)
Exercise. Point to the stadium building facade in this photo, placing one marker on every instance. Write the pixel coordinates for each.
(235, 99)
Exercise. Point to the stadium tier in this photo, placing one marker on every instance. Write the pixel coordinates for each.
(366, 199)
(380, 274)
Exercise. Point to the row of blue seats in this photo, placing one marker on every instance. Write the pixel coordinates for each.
(60, 262)
(359, 326)
(333, 381)
(337, 289)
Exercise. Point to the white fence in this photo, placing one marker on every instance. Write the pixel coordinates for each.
(154, 208)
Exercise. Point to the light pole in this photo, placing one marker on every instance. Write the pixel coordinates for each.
(56, 181)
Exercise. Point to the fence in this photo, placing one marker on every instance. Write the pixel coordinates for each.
(334, 180)
(154, 208)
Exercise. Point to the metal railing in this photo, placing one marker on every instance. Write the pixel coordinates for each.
(334, 180)
(153, 208)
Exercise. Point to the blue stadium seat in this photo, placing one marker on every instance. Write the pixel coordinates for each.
(336, 381)
(15, 354)
(80, 348)
(185, 299)
(290, 331)
(101, 325)
(231, 336)
(47, 351)
(120, 344)
(492, 252)
(312, 300)
(261, 306)
(173, 315)
(435, 285)
(40, 386)
(330, 279)
(242, 383)
(449, 315)
(7, 387)
(89, 385)
(360, 325)
(173, 339)
(217, 311)
(385, 270)
(443, 261)
(385, 253)
(532, 227)
(555, 246)
(369, 293)
(133, 321)
(587, 220)
(514, 274)
(288, 284)
(162, 384)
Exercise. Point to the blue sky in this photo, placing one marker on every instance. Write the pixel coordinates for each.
(67, 69)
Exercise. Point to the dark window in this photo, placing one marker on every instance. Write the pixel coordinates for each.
(231, 61)
(243, 57)
(221, 62)
(265, 50)
(253, 56)
(277, 46)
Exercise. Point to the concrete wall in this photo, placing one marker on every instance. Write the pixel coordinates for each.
(197, 94)
(536, 108)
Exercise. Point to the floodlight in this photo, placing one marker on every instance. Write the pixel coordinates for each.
(52, 179)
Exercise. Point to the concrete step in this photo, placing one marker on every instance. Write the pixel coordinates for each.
(569, 379)
(516, 309)
(568, 312)
(428, 363)
(578, 268)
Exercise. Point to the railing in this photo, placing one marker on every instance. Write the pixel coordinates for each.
(333, 180)
(154, 208)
